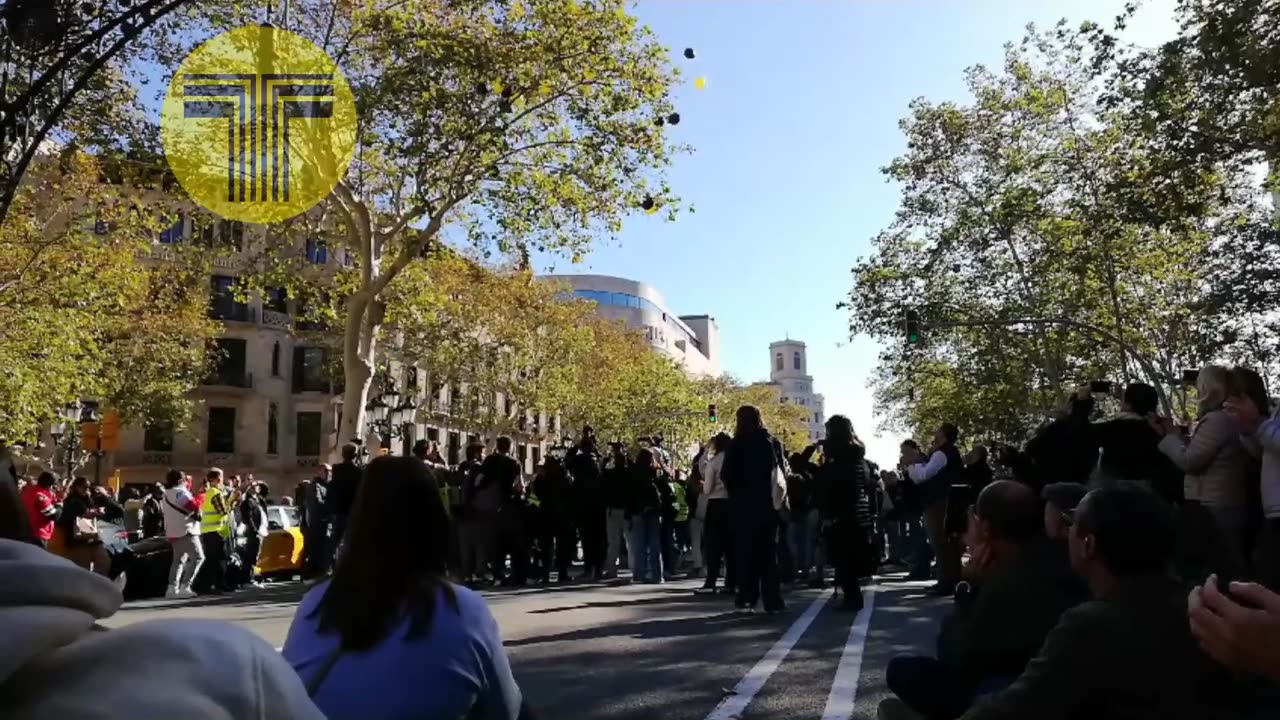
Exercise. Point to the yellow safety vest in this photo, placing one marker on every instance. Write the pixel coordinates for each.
(444, 498)
(211, 520)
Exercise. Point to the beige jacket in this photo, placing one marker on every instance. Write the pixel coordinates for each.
(1216, 465)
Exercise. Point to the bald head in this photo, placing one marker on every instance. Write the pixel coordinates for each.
(1011, 511)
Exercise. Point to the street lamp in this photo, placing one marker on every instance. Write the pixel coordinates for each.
(49, 52)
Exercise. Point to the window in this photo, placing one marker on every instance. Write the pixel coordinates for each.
(229, 363)
(407, 440)
(223, 304)
(225, 233)
(816, 418)
(276, 300)
(795, 360)
(173, 233)
(158, 437)
(777, 362)
(311, 369)
(537, 457)
(273, 432)
(275, 359)
(317, 253)
(455, 443)
(221, 435)
(433, 435)
(309, 434)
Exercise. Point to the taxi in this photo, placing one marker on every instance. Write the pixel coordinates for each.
(282, 548)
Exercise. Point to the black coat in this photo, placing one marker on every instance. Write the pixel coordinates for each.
(748, 472)
(648, 491)
(342, 489)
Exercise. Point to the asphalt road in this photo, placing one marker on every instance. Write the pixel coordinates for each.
(623, 652)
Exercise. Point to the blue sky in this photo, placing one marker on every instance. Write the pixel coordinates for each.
(799, 114)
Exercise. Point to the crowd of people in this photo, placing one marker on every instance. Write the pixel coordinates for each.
(1118, 567)
(1111, 568)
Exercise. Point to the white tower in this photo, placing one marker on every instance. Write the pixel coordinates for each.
(789, 371)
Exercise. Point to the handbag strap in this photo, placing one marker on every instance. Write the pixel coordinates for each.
(313, 686)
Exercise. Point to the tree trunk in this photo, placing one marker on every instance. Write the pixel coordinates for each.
(357, 370)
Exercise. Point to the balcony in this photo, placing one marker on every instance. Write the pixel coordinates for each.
(230, 378)
(275, 319)
(232, 312)
(194, 463)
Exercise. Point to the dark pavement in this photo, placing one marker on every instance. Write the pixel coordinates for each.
(624, 652)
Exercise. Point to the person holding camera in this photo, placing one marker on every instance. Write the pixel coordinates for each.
(182, 526)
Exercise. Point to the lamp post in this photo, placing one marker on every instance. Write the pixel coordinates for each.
(66, 433)
(49, 52)
(390, 413)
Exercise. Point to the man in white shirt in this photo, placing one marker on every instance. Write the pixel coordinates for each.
(935, 476)
(182, 527)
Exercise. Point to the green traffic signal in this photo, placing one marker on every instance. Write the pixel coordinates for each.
(912, 327)
(711, 413)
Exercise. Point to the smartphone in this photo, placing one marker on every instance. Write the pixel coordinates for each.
(1190, 377)
(1100, 386)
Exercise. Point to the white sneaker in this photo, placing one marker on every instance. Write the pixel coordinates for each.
(173, 594)
(187, 592)
(255, 584)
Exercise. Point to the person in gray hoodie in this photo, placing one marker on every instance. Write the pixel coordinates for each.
(52, 621)
(197, 668)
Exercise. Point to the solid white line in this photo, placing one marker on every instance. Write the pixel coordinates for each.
(734, 705)
(844, 690)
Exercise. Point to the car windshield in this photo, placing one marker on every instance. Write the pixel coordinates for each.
(284, 516)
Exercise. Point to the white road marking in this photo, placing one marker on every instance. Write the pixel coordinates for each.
(844, 690)
(734, 705)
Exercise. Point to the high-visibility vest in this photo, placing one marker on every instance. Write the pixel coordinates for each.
(533, 499)
(210, 519)
(682, 506)
(444, 498)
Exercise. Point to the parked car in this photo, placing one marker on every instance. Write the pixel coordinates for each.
(282, 548)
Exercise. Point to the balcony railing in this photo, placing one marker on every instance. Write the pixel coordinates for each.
(230, 378)
(233, 312)
(276, 319)
(191, 462)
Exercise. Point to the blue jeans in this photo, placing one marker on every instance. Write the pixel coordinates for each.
(645, 539)
(802, 540)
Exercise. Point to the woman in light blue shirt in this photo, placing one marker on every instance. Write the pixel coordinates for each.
(388, 637)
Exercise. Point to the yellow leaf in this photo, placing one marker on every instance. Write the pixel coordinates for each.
(700, 83)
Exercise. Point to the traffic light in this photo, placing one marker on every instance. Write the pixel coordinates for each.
(711, 413)
(913, 327)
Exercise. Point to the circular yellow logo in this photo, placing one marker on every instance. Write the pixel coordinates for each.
(258, 124)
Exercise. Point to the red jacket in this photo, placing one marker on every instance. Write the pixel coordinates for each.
(42, 510)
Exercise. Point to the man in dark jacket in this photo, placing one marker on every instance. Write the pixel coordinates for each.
(1015, 592)
(616, 479)
(342, 495)
(749, 466)
(583, 463)
(499, 500)
(1128, 654)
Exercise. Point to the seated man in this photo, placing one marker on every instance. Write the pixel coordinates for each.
(1128, 653)
(1015, 591)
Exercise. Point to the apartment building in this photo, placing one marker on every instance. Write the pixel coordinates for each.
(273, 404)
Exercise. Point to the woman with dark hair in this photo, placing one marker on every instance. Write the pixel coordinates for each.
(79, 522)
(387, 635)
(845, 508)
(649, 494)
(718, 537)
(753, 467)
